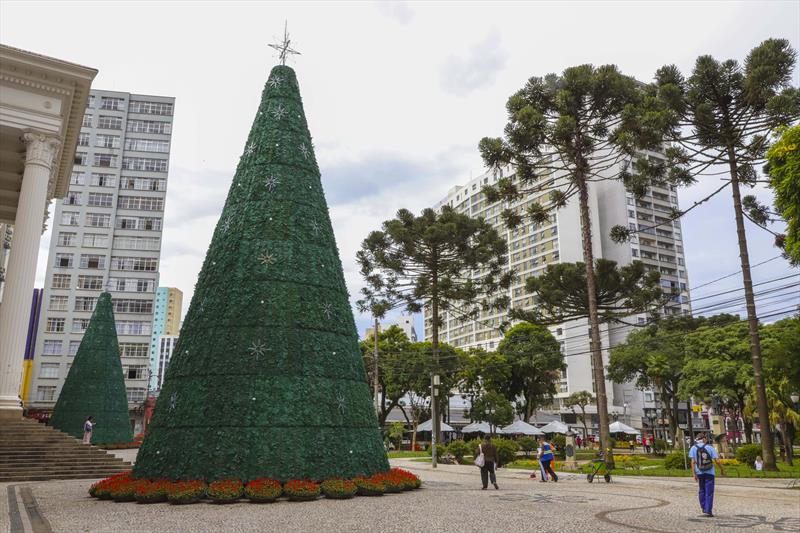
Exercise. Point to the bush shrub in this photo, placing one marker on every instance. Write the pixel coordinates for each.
(263, 490)
(458, 449)
(506, 450)
(392, 483)
(183, 492)
(124, 489)
(339, 489)
(527, 445)
(441, 450)
(102, 489)
(152, 491)
(747, 453)
(675, 461)
(300, 490)
(225, 490)
(659, 445)
(369, 486)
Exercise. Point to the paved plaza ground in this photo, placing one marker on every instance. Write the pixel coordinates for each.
(451, 500)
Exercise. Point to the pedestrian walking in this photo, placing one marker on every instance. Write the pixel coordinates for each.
(546, 459)
(578, 441)
(487, 460)
(88, 426)
(644, 444)
(632, 446)
(703, 458)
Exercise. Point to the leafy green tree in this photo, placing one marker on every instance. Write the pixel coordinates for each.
(426, 261)
(580, 399)
(398, 366)
(395, 433)
(783, 169)
(654, 357)
(483, 371)
(95, 385)
(493, 408)
(267, 372)
(561, 292)
(564, 132)
(723, 114)
(536, 362)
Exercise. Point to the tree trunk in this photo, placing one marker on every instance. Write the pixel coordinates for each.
(594, 323)
(767, 444)
(435, 433)
(585, 429)
(673, 421)
(375, 377)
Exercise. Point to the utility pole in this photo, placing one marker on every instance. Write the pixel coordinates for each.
(376, 382)
(434, 418)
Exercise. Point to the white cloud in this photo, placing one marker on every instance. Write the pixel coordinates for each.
(462, 75)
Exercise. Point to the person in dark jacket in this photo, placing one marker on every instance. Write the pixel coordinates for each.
(490, 462)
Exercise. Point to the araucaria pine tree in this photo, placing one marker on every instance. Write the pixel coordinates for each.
(267, 378)
(95, 385)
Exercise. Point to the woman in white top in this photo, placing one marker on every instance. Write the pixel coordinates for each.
(759, 464)
(87, 430)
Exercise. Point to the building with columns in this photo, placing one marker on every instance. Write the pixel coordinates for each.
(42, 100)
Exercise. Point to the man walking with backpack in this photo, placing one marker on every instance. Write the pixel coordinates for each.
(703, 457)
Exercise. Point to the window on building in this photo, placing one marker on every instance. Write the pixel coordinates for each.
(61, 281)
(132, 349)
(137, 264)
(73, 348)
(83, 139)
(136, 243)
(133, 327)
(100, 199)
(58, 303)
(105, 160)
(133, 306)
(93, 261)
(98, 220)
(77, 178)
(90, 283)
(109, 123)
(73, 198)
(147, 145)
(79, 325)
(55, 325)
(95, 240)
(63, 261)
(51, 347)
(87, 121)
(143, 203)
(48, 370)
(136, 394)
(107, 141)
(148, 164)
(111, 103)
(150, 108)
(135, 371)
(143, 184)
(67, 238)
(85, 303)
(81, 158)
(103, 180)
(149, 126)
(138, 223)
(45, 393)
(70, 218)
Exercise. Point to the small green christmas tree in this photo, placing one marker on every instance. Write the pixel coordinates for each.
(95, 385)
(267, 378)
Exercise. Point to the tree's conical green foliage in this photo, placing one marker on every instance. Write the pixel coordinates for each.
(95, 385)
(267, 378)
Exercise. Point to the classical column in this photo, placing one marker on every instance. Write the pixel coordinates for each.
(21, 271)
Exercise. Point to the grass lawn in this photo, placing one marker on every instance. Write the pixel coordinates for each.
(654, 467)
(402, 454)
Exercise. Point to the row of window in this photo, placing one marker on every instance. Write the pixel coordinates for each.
(47, 393)
(148, 164)
(128, 183)
(88, 303)
(109, 122)
(103, 220)
(105, 199)
(124, 327)
(126, 349)
(96, 261)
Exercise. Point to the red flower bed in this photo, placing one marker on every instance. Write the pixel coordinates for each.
(152, 491)
(392, 481)
(102, 489)
(301, 490)
(225, 490)
(181, 492)
(339, 489)
(410, 481)
(263, 490)
(369, 486)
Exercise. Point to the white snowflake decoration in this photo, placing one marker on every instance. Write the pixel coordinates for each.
(316, 227)
(271, 182)
(305, 151)
(340, 402)
(257, 348)
(275, 81)
(279, 112)
(250, 149)
(266, 258)
(226, 224)
(173, 401)
(327, 310)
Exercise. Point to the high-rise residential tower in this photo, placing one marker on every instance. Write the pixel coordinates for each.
(531, 247)
(166, 321)
(107, 235)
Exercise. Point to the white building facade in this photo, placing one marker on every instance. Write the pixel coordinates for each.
(166, 345)
(532, 247)
(107, 236)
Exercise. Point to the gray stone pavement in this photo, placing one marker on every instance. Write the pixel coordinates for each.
(451, 500)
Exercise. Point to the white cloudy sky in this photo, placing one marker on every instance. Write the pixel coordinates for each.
(397, 94)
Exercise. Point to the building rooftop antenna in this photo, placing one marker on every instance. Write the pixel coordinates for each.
(284, 48)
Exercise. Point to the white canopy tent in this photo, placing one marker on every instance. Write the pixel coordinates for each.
(554, 427)
(477, 427)
(428, 426)
(520, 427)
(619, 427)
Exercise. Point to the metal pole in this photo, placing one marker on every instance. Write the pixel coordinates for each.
(375, 381)
(434, 419)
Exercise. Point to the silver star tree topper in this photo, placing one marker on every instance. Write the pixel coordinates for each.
(284, 49)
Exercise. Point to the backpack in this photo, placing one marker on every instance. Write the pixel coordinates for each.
(704, 461)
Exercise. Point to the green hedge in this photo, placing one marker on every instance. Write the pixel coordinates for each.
(747, 453)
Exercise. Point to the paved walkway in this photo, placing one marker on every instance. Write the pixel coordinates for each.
(451, 500)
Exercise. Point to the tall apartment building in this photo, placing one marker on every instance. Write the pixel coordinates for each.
(404, 322)
(166, 321)
(532, 247)
(107, 236)
(166, 346)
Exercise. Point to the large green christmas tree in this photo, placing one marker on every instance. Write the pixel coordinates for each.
(95, 385)
(267, 378)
